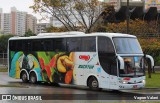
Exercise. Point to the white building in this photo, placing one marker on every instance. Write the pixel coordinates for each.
(1, 14)
(6, 23)
(41, 27)
(56, 23)
(20, 27)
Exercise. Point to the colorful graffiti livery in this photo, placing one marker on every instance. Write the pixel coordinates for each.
(48, 66)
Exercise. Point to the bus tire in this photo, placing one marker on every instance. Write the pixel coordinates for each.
(24, 77)
(93, 83)
(55, 84)
(33, 78)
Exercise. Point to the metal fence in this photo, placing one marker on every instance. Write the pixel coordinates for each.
(3, 59)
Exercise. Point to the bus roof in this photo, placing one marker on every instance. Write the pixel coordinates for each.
(72, 34)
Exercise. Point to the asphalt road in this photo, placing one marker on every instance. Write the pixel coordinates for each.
(69, 94)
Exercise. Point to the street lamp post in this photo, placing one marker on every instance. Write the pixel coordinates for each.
(127, 16)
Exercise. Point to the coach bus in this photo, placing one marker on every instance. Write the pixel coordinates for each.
(97, 60)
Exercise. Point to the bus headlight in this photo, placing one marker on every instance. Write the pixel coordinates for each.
(143, 81)
(123, 82)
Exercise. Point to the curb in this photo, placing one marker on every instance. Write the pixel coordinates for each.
(152, 88)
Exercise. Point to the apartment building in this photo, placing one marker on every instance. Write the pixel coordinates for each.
(17, 22)
(6, 23)
(31, 23)
(0, 20)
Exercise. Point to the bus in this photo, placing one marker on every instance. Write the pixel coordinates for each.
(98, 60)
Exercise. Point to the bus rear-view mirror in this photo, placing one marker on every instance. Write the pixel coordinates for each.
(151, 60)
(121, 61)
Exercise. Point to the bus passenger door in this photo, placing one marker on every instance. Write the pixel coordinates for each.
(109, 66)
(107, 59)
(104, 78)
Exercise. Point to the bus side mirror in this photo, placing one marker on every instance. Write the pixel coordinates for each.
(121, 61)
(151, 59)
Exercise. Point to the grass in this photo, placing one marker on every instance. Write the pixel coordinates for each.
(16, 86)
(154, 81)
(3, 70)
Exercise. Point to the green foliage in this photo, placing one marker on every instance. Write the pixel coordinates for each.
(153, 82)
(75, 15)
(4, 42)
(151, 46)
(29, 33)
(136, 27)
(107, 16)
(79, 6)
(56, 29)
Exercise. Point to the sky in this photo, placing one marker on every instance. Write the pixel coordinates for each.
(21, 5)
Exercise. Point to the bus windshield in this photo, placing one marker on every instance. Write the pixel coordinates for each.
(133, 67)
(127, 45)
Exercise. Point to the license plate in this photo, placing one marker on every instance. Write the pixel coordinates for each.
(135, 86)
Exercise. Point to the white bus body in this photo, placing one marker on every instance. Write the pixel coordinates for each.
(98, 60)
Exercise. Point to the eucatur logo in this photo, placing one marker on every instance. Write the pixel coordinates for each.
(84, 57)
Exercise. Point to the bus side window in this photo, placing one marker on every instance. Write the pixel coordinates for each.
(37, 45)
(16, 45)
(47, 44)
(59, 44)
(73, 44)
(105, 45)
(27, 46)
(19, 45)
(106, 55)
(12, 45)
(88, 44)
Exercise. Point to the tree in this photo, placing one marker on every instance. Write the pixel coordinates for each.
(86, 12)
(29, 33)
(151, 46)
(108, 17)
(137, 27)
(56, 29)
(4, 43)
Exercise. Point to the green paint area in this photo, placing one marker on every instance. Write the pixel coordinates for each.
(154, 81)
(86, 66)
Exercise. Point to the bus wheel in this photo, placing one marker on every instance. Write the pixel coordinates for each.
(55, 84)
(93, 83)
(33, 78)
(24, 77)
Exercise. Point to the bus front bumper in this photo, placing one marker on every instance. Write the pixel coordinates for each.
(131, 86)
